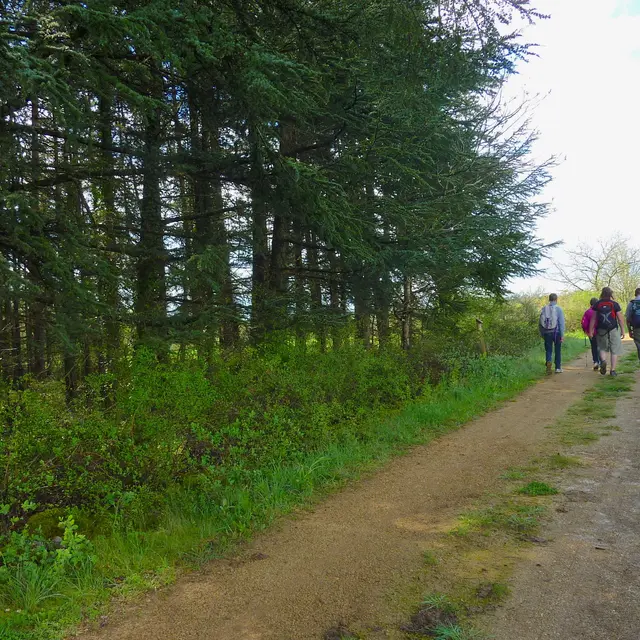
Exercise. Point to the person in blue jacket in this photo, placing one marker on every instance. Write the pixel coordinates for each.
(552, 326)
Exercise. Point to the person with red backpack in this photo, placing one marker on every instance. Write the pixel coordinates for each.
(633, 319)
(607, 324)
(586, 322)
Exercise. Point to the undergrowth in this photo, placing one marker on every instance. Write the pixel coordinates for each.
(207, 491)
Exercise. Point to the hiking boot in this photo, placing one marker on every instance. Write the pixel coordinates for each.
(603, 368)
(558, 370)
(596, 366)
(613, 373)
(549, 365)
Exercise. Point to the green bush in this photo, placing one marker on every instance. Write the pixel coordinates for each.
(33, 568)
(190, 422)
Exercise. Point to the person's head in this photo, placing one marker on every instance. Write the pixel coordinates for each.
(637, 292)
(593, 302)
(607, 293)
(553, 297)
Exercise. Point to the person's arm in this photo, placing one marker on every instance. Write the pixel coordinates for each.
(540, 328)
(621, 323)
(561, 324)
(627, 317)
(592, 325)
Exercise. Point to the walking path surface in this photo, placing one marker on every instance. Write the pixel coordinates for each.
(585, 584)
(341, 561)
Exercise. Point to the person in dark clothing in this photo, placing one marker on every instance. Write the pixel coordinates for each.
(607, 324)
(633, 319)
(586, 322)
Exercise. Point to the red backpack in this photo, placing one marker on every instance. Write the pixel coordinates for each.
(606, 316)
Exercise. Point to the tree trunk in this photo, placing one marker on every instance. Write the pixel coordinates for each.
(18, 368)
(300, 296)
(203, 276)
(383, 299)
(109, 284)
(406, 313)
(362, 315)
(229, 328)
(278, 281)
(35, 314)
(316, 294)
(259, 211)
(70, 375)
(277, 287)
(334, 301)
(87, 363)
(5, 339)
(150, 304)
(382, 316)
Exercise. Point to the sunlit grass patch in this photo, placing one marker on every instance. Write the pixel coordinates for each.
(507, 516)
(429, 558)
(536, 488)
(515, 473)
(561, 461)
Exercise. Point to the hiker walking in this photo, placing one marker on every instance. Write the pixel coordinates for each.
(552, 330)
(633, 319)
(607, 325)
(586, 323)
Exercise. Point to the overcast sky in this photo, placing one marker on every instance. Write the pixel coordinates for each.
(589, 65)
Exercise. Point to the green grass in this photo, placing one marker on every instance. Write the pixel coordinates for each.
(582, 424)
(439, 601)
(456, 632)
(536, 488)
(436, 607)
(195, 528)
(514, 474)
(559, 461)
(508, 516)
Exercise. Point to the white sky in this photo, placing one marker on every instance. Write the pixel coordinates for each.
(589, 65)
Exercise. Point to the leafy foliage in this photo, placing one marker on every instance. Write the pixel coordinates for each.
(233, 232)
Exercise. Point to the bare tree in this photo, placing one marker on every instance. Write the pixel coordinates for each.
(613, 262)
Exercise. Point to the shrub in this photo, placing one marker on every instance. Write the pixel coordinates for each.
(187, 421)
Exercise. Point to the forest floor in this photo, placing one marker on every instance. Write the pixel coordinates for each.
(358, 564)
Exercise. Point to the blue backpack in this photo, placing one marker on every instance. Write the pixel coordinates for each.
(634, 314)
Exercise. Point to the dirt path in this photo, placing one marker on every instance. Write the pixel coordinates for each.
(343, 560)
(585, 584)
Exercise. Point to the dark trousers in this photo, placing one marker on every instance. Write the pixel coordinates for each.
(636, 340)
(552, 344)
(595, 354)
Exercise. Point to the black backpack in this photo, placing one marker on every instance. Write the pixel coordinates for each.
(606, 316)
(634, 314)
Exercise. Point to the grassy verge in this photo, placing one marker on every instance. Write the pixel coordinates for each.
(467, 571)
(194, 527)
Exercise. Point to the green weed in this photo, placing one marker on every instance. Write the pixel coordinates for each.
(439, 601)
(537, 489)
(492, 592)
(506, 516)
(456, 632)
(29, 586)
(438, 618)
(514, 474)
(560, 461)
(609, 428)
